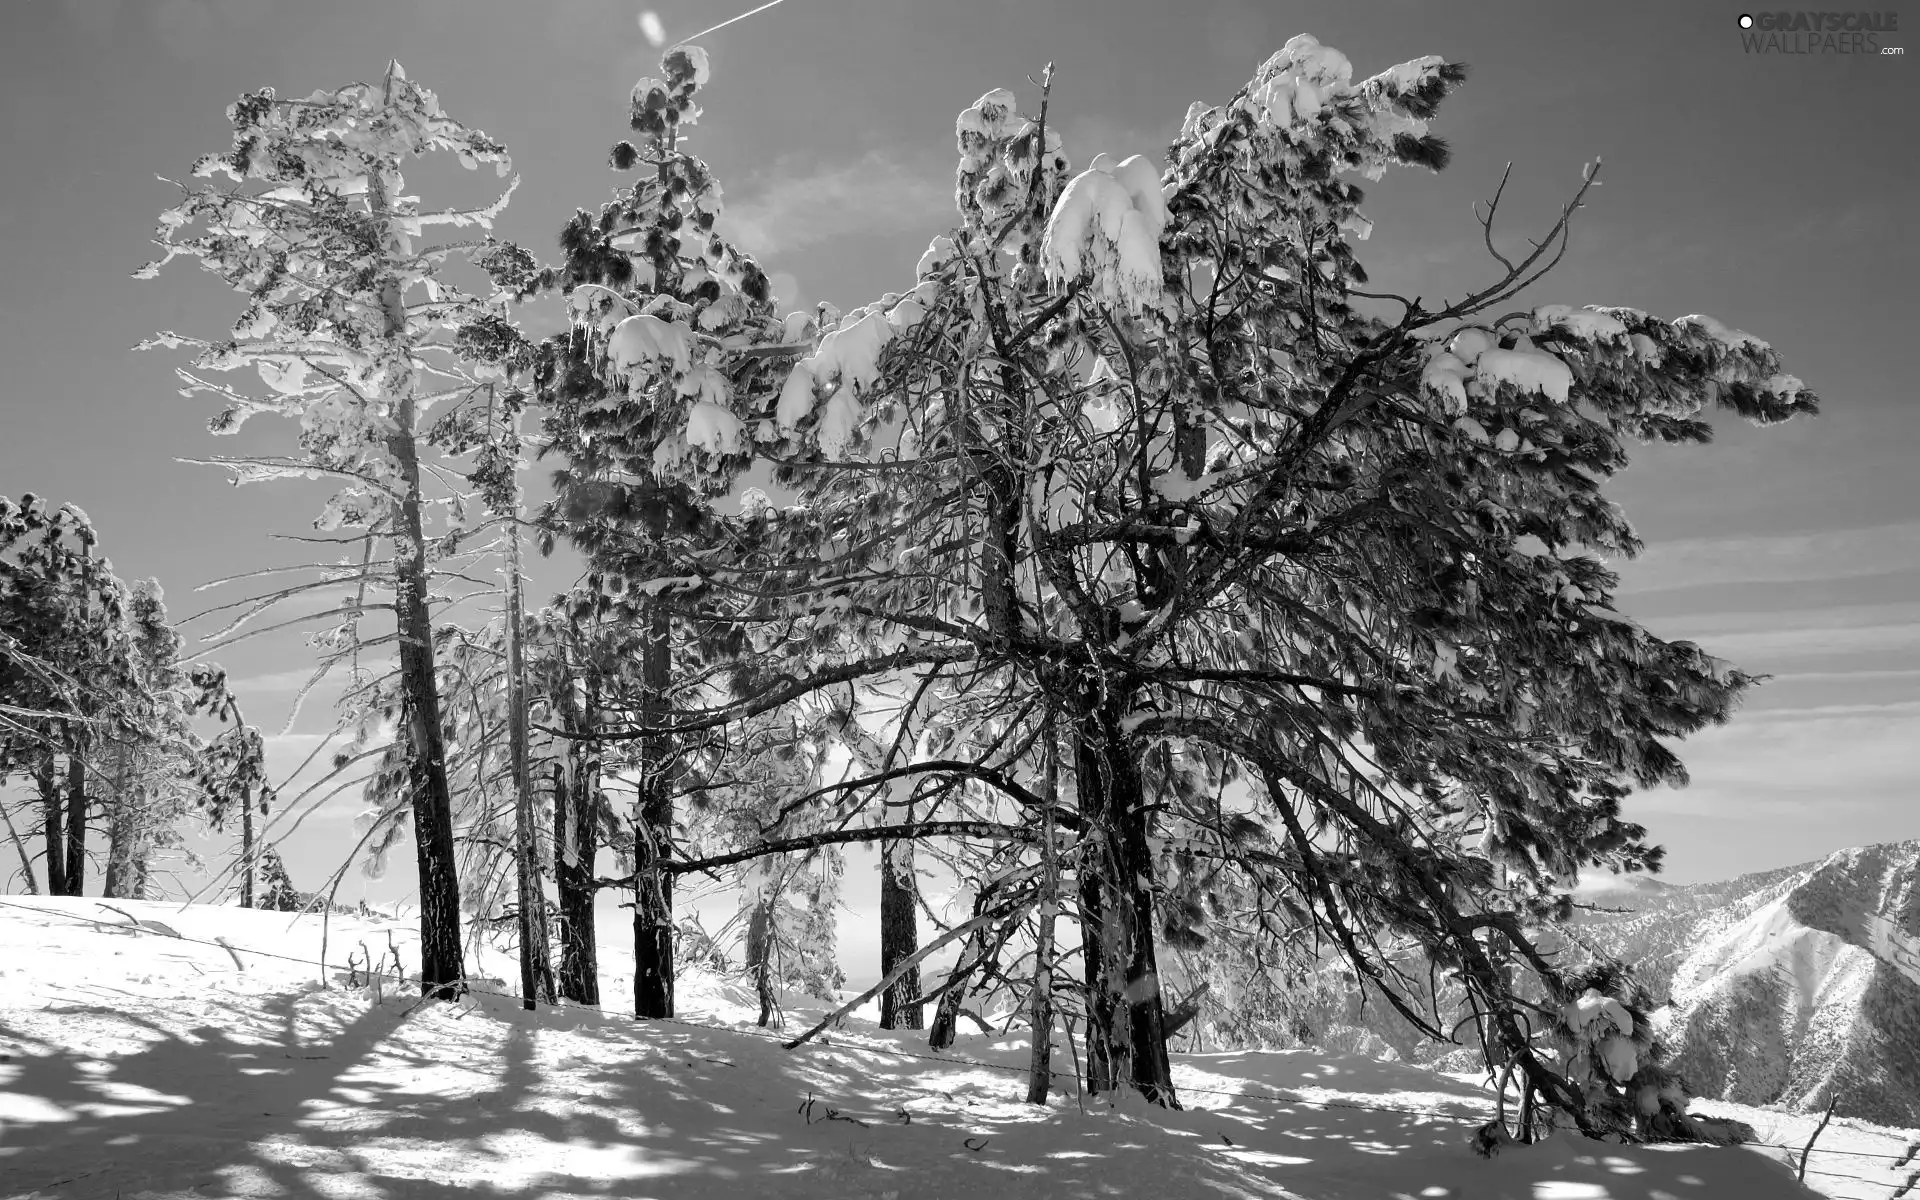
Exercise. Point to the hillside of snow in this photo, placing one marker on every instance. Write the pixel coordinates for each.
(1789, 987)
(1654, 925)
(149, 1050)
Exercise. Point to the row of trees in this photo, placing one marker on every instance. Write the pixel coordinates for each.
(1136, 564)
(101, 718)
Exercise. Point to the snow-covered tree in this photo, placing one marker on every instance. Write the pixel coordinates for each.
(659, 299)
(69, 672)
(232, 774)
(1312, 575)
(90, 673)
(352, 329)
(148, 771)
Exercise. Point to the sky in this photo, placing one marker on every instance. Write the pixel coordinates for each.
(1769, 190)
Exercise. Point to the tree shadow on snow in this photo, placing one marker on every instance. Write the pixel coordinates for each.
(307, 1093)
(313, 1094)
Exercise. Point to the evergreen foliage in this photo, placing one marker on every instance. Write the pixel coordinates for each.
(1302, 585)
(1141, 565)
(93, 703)
(356, 335)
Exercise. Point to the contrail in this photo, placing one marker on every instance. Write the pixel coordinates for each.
(730, 20)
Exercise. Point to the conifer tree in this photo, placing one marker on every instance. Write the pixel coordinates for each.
(233, 770)
(352, 329)
(148, 770)
(654, 293)
(71, 679)
(1309, 574)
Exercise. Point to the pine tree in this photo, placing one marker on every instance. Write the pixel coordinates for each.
(654, 291)
(351, 328)
(148, 771)
(1315, 591)
(279, 893)
(232, 772)
(70, 681)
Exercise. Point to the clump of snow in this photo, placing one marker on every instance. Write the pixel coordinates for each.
(992, 114)
(715, 429)
(846, 362)
(1106, 228)
(796, 397)
(1473, 429)
(1593, 1005)
(1411, 74)
(797, 327)
(939, 251)
(1619, 1056)
(1469, 344)
(912, 308)
(839, 423)
(703, 384)
(1446, 376)
(1732, 339)
(287, 376)
(696, 61)
(1784, 386)
(1589, 324)
(851, 353)
(1301, 80)
(1526, 369)
(643, 340)
(1199, 117)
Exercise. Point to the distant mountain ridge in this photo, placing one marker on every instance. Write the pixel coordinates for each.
(1789, 986)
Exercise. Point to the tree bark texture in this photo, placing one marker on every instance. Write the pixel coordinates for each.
(653, 840)
(1126, 1037)
(899, 936)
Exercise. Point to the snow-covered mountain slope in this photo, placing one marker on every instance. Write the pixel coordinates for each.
(1789, 987)
(141, 1058)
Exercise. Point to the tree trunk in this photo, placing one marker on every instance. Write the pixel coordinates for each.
(246, 850)
(653, 835)
(1040, 995)
(946, 1014)
(116, 882)
(536, 956)
(442, 970)
(573, 870)
(899, 936)
(580, 947)
(1126, 1039)
(441, 966)
(760, 957)
(76, 811)
(52, 822)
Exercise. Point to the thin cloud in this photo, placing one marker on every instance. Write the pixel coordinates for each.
(1776, 761)
(1789, 558)
(1807, 638)
(271, 682)
(875, 195)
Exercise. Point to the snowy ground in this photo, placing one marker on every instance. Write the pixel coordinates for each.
(134, 1063)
